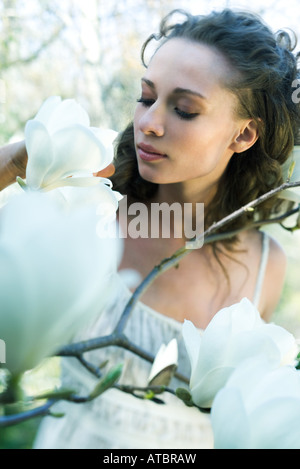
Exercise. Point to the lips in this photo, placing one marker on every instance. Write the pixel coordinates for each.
(149, 153)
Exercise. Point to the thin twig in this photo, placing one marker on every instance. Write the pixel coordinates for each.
(116, 340)
(255, 225)
(9, 420)
(95, 370)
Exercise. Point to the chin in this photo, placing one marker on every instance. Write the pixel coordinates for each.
(149, 175)
(158, 175)
(155, 178)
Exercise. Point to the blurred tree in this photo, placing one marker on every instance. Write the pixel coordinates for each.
(86, 50)
(22, 41)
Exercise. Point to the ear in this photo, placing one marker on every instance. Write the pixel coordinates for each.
(247, 137)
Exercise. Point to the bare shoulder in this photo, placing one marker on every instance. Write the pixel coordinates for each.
(274, 278)
(277, 255)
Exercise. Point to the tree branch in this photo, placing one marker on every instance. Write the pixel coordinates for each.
(115, 339)
(9, 420)
(34, 55)
(119, 339)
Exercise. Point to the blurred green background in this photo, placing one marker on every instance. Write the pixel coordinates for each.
(90, 50)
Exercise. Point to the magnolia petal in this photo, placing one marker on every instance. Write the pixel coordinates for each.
(167, 355)
(222, 334)
(192, 339)
(230, 409)
(285, 342)
(9, 192)
(10, 303)
(267, 399)
(241, 316)
(91, 191)
(227, 415)
(47, 108)
(131, 278)
(283, 382)
(235, 334)
(98, 195)
(76, 149)
(107, 136)
(60, 143)
(61, 271)
(109, 202)
(291, 194)
(85, 181)
(259, 381)
(206, 351)
(245, 316)
(214, 343)
(66, 114)
(40, 153)
(245, 377)
(249, 344)
(206, 387)
(275, 425)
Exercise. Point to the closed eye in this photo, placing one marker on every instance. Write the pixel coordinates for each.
(186, 115)
(146, 102)
(180, 113)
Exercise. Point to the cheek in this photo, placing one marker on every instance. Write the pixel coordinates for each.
(184, 137)
(192, 141)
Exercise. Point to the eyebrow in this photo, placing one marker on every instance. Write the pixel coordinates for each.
(176, 90)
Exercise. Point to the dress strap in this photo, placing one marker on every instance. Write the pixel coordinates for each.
(262, 268)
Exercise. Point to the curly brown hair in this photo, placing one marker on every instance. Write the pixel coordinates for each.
(266, 67)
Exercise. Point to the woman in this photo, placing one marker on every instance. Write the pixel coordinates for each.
(213, 124)
(216, 108)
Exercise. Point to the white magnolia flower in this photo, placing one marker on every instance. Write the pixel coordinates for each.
(259, 408)
(164, 364)
(9, 192)
(233, 335)
(55, 274)
(131, 278)
(100, 197)
(292, 194)
(60, 143)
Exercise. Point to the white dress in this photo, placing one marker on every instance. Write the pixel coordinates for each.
(116, 420)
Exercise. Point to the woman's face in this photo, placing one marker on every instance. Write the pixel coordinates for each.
(185, 121)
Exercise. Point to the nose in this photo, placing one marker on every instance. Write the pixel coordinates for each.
(151, 120)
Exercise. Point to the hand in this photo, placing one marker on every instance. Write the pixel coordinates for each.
(19, 159)
(13, 162)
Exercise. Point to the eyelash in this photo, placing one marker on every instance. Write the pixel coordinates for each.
(181, 114)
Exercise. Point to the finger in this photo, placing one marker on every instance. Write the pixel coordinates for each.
(106, 172)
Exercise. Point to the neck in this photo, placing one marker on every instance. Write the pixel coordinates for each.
(186, 192)
(193, 201)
